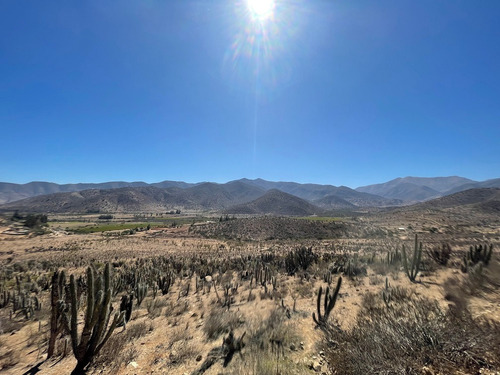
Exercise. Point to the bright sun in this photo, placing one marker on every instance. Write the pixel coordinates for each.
(261, 9)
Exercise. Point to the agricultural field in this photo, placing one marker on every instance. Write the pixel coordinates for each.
(377, 293)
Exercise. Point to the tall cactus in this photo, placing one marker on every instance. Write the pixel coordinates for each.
(126, 306)
(329, 304)
(95, 331)
(57, 309)
(141, 289)
(413, 268)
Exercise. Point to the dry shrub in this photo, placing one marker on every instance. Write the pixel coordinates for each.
(155, 307)
(265, 363)
(267, 347)
(413, 334)
(382, 268)
(114, 354)
(376, 280)
(220, 321)
(178, 334)
(136, 330)
(480, 280)
(182, 351)
(176, 308)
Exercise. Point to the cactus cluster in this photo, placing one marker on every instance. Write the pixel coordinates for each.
(329, 303)
(299, 259)
(393, 257)
(64, 315)
(441, 255)
(477, 254)
(412, 268)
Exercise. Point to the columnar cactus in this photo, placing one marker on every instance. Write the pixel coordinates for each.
(477, 254)
(329, 304)
(126, 307)
(393, 257)
(412, 268)
(57, 309)
(387, 293)
(164, 283)
(95, 331)
(141, 290)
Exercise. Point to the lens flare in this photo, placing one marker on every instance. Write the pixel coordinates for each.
(261, 9)
(260, 55)
(259, 59)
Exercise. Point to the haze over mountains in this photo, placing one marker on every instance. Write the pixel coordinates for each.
(417, 189)
(242, 196)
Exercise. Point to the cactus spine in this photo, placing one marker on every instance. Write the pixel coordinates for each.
(329, 304)
(413, 268)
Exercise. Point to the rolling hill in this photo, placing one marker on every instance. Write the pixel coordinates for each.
(12, 192)
(485, 199)
(314, 192)
(205, 196)
(122, 196)
(278, 203)
(416, 189)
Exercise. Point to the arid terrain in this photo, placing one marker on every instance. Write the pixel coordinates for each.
(236, 295)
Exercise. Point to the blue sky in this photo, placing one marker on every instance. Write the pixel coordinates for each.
(335, 92)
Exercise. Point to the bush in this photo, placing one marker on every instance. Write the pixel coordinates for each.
(220, 321)
(408, 336)
(105, 217)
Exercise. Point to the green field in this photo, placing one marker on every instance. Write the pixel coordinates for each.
(113, 226)
(97, 227)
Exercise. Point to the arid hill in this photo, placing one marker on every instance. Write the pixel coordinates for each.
(271, 228)
(278, 203)
(216, 195)
(415, 189)
(313, 192)
(205, 196)
(481, 199)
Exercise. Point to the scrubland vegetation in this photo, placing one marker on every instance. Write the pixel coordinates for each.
(252, 296)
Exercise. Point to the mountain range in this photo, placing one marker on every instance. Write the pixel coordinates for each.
(243, 196)
(418, 189)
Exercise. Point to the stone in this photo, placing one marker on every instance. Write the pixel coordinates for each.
(316, 366)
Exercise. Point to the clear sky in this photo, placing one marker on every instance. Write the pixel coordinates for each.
(338, 92)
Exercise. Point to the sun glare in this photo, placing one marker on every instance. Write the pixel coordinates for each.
(261, 9)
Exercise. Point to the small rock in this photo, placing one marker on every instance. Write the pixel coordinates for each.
(199, 358)
(293, 347)
(133, 364)
(322, 353)
(316, 366)
(208, 279)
